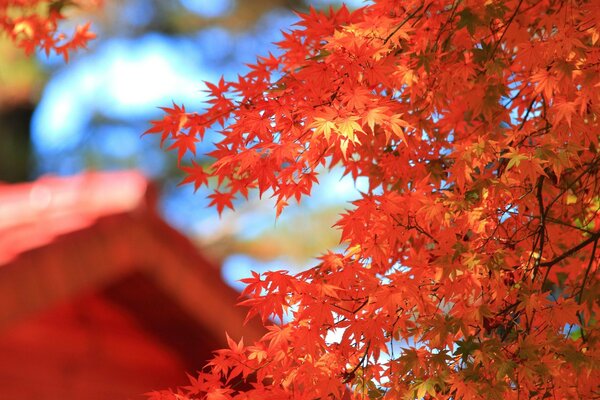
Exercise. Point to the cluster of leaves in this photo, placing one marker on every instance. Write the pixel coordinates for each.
(34, 24)
(471, 268)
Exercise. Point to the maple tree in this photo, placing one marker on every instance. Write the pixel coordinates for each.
(34, 24)
(471, 268)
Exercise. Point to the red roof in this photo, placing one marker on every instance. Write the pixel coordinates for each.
(98, 234)
(33, 214)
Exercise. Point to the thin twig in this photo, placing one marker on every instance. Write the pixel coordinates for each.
(587, 271)
(408, 18)
(512, 17)
(593, 238)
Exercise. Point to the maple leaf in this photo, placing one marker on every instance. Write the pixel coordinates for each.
(194, 174)
(323, 126)
(397, 125)
(257, 353)
(237, 348)
(481, 156)
(546, 83)
(221, 200)
(184, 143)
(219, 89)
(468, 20)
(170, 125)
(375, 116)
(347, 128)
(279, 206)
(29, 28)
(565, 110)
(278, 336)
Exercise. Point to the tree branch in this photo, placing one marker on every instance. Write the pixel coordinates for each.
(408, 18)
(349, 376)
(572, 251)
(587, 272)
(512, 17)
(542, 226)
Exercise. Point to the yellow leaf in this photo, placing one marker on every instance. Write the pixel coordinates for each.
(344, 146)
(323, 126)
(348, 126)
(571, 198)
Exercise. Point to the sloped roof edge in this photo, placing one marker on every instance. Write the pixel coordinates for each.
(33, 214)
(62, 236)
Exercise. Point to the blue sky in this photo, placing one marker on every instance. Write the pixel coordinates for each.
(99, 104)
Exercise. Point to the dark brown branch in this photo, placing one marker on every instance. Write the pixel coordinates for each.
(572, 251)
(512, 17)
(349, 376)
(504, 161)
(408, 18)
(593, 164)
(542, 226)
(415, 226)
(563, 223)
(448, 21)
(587, 272)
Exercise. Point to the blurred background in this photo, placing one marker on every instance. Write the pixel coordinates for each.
(111, 286)
(89, 115)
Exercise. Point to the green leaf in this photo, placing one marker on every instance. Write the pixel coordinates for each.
(426, 387)
(468, 20)
(515, 160)
(466, 348)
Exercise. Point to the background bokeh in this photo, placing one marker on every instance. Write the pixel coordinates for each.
(90, 114)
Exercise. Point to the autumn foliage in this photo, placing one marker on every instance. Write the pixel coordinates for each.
(471, 268)
(34, 24)
(471, 262)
